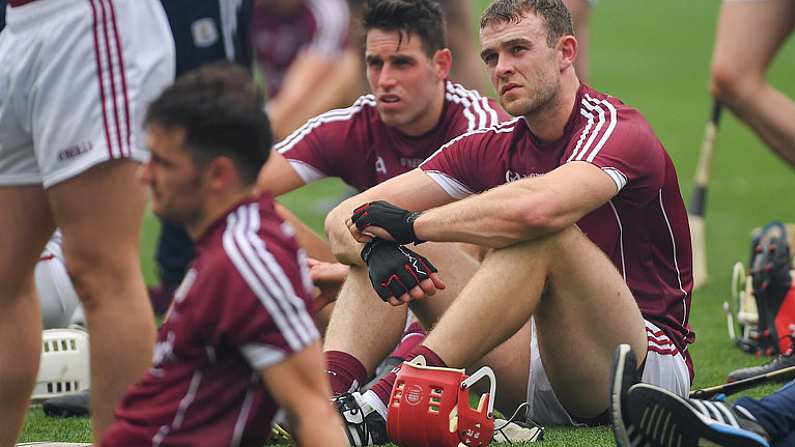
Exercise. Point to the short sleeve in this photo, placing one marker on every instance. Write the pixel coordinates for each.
(322, 147)
(622, 144)
(454, 166)
(265, 310)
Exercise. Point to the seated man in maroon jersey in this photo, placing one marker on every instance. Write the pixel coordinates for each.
(413, 110)
(580, 205)
(238, 341)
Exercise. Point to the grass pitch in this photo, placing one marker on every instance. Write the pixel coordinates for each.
(655, 56)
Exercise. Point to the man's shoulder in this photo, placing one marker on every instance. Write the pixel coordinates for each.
(471, 106)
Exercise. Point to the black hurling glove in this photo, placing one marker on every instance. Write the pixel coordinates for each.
(393, 269)
(396, 221)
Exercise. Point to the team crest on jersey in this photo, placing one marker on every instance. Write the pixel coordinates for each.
(205, 33)
(511, 176)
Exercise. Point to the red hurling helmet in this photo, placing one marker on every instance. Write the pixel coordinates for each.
(429, 407)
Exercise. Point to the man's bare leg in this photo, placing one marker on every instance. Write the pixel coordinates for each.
(367, 328)
(100, 213)
(749, 35)
(25, 226)
(586, 311)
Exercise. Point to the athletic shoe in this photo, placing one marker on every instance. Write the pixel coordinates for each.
(623, 374)
(77, 404)
(781, 361)
(363, 425)
(518, 428)
(669, 420)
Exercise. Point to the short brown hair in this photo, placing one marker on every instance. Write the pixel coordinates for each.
(554, 13)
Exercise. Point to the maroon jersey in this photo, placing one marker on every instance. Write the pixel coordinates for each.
(241, 308)
(356, 146)
(643, 229)
(319, 26)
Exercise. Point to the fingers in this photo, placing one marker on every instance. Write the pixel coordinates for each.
(437, 282)
(328, 272)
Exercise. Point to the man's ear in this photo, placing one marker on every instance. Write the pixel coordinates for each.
(443, 63)
(220, 173)
(567, 50)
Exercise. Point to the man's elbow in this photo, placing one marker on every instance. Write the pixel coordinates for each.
(542, 219)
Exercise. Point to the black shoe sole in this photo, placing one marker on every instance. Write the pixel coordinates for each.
(667, 420)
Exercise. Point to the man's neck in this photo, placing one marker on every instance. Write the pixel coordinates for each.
(549, 123)
(215, 208)
(431, 117)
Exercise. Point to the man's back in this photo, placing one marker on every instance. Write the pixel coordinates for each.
(241, 308)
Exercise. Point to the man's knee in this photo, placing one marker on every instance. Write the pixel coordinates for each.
(731, 84)
(95, 275)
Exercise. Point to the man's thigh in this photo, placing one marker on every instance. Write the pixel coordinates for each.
(586, 311)
(664, 367)
(25, 225)
(100, 212)
(750, 32)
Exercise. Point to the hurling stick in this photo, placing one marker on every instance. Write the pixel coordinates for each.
(699, 199)
(782, 374)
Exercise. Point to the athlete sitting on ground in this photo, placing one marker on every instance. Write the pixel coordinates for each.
(413, 110)
(238, 340)
(588, 232)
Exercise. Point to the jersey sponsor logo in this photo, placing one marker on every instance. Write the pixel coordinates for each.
(411, 163)
(380, 166)
(74, 151)
(205, 33)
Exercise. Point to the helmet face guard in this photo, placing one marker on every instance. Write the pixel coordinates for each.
(429, 407)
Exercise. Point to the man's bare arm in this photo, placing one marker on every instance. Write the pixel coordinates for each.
(299, 385)
(521, 210)
(413, 190)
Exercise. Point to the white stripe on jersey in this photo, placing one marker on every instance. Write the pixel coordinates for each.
(179, 416)
(451, 186)
(595, 130)
(620, 240)
(245, 250)
(498, 128)
(330, 116)
(278, 272)
(617, 176)
(676, 263)
(583, 134)
(245, 410)
(261, 356)
(307, 172)
(228, 10)
(331, 18)
(610, 127)
(474, 100)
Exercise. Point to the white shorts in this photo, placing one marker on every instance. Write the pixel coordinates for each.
(76, 77)
(665, 367)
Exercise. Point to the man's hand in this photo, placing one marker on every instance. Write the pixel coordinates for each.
(384, 220)
(398, 274)
(328, 278)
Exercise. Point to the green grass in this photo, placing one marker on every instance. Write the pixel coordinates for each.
(655, 56)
